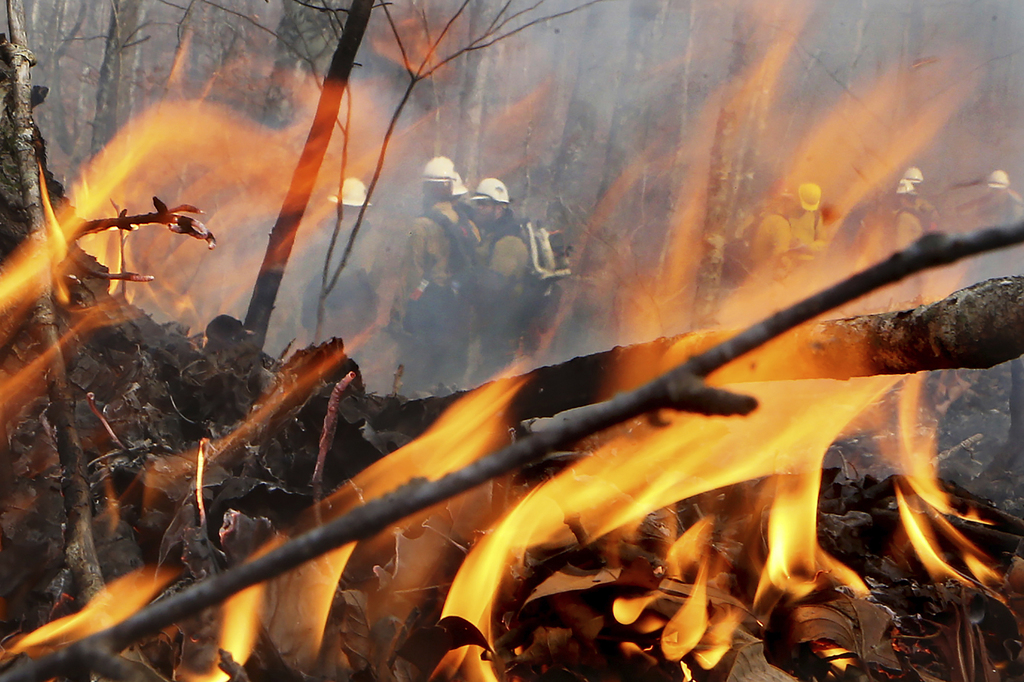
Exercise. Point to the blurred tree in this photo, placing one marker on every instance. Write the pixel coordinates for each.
(112, 87)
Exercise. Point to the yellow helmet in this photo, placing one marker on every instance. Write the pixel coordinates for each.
(810, 196)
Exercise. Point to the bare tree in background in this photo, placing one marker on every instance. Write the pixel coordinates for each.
(733, 155)
(282, 237)
(111, 90)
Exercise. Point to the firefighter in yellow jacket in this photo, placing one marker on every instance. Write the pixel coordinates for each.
(789, 233)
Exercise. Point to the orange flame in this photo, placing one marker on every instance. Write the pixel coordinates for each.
(469, 429)
(790, 432)
(686, 627)
(117, 601)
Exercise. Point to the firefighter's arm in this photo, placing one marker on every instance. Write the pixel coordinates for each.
(429, 252)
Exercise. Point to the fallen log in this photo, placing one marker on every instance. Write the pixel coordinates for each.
(975, 328)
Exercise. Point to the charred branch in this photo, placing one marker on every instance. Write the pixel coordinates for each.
(174, 218)
(679, 389)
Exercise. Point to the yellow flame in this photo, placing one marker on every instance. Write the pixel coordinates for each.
(924, 543)
(690, 547)
(116, 602)
(917, 449)
(687, 625)
(240, 620)
(469, 429)
(795, 561)
(718, 639)
(615, 487)
(627, 609)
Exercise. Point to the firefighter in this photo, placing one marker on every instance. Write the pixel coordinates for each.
(430, 314)
(790, 231)
(913, 215)
(808, 232)
(503, 260)
(517, 290)
(350, 306)
(773, 236)
(1005, 206)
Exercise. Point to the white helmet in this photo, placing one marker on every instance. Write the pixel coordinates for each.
(353, 192)
(998, 180)
(493, 189)
(906, 186)
(458, 187)
(913, 175)
(439, 169)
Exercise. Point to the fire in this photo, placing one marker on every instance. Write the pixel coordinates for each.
(923, 540)
(240, 624)
(917, 453)
(718, 638)
(686, 628)
(468, 430)
(613, 488)
(119, 600)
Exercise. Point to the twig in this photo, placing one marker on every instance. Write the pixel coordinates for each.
(80, 549)
(91, 397)
(124, 276)
(679, 389)
(173, 218)
(204, 444)
(327, 434)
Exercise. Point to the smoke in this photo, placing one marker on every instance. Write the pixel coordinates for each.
(602, 122)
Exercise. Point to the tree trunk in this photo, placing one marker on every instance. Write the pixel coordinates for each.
(476, 70)
(282, 236)
(124, 21)
(725, 176)
(80, 550)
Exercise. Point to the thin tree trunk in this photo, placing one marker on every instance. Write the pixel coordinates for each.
(729, 181)
(80, 550)
(282, 236)
(471, 101)
(123, 24)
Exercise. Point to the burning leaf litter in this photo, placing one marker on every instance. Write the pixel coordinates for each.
(669, 594)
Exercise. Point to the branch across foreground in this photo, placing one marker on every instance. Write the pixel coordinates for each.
(681, 388)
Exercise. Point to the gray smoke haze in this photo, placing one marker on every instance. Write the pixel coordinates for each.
(603, 123)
